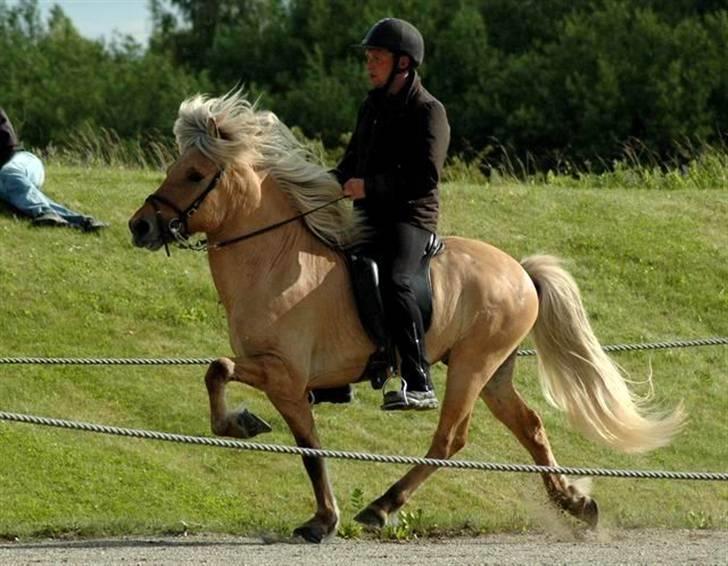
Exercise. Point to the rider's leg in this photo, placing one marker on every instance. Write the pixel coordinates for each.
(408, 244)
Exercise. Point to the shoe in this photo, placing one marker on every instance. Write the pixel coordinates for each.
(404, 400)
(49, 219)
(90, 224)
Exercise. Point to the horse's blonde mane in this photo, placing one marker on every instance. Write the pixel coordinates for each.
(230, 130)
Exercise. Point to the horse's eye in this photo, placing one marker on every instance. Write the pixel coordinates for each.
(195, 176)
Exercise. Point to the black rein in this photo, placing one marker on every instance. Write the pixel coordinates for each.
(183, 215)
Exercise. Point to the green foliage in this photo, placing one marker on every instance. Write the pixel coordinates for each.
(700, 520)
(57, 85)
(548, 81)
(348, 528)
(408, 525)
(706, 170)
(99, 147)
(324, 102)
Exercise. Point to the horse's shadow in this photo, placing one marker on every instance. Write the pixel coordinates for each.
(262, 539)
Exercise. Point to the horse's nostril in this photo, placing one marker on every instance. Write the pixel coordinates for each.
(140, 227)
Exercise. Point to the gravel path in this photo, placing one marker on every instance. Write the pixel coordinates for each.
(622, 547)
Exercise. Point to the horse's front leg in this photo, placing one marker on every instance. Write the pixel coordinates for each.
(270, 374)
(238, 424)
(325, 521)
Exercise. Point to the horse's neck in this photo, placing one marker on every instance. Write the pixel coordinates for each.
(256, 269)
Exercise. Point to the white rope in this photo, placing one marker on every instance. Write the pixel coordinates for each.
(715, 341)
(361, 456)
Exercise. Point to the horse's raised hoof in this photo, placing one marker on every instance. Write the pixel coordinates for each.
(371, 517)
(248, 425)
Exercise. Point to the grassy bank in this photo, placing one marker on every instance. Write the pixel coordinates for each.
(652, 265)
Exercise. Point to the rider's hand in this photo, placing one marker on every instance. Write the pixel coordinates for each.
(354, 188)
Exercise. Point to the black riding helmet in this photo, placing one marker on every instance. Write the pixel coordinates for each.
(399, 37)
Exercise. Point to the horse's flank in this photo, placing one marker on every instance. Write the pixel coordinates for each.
(297, 291)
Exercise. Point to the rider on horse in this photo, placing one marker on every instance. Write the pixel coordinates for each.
(391, 169)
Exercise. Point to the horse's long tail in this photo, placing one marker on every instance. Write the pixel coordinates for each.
(579, 378)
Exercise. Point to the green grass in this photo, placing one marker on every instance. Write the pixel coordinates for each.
(652, 265)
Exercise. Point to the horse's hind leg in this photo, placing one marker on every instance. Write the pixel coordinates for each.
(463, 386)
(508, 406)
(449, 439)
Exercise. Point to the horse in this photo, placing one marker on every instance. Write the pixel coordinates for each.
(276, 232)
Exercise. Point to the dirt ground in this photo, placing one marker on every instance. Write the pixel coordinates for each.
(615, 547)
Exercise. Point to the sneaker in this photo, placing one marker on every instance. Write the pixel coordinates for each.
(90, 224)
(49, 219)
(404, 400)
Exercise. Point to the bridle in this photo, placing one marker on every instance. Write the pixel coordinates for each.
(177, 226)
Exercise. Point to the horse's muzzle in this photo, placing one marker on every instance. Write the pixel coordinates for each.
(145, 233)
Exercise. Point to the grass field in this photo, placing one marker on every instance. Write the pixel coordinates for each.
(652, 265)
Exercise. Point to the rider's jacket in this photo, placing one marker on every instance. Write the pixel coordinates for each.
(398, 147)
(8, 139)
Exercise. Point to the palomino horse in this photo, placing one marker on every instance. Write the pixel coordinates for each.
(293, 323)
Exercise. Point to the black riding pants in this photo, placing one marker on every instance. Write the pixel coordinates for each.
(401, 249)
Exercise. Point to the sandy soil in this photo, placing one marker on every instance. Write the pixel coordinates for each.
(616, 547)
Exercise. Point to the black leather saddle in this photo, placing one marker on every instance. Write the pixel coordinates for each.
(364, 273)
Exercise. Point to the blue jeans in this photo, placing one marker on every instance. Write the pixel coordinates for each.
(21, 180)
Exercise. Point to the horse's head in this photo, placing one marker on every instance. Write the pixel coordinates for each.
(227, 148)
(218, 144)
(184, 204)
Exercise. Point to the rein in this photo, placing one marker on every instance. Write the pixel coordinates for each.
(235, 240)
(177, 226)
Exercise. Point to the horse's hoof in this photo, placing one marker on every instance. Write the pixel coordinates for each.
(590, 513)
(371, 517)
(585, 509)
(248, 425)
(315, 531)
(309, 534)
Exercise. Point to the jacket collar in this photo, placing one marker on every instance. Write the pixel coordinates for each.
(403, 97)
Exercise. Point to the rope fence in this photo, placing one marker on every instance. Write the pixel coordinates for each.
(357, 456)
(361, 456)
(714, 341)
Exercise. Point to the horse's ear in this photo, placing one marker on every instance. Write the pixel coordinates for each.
(212, 130)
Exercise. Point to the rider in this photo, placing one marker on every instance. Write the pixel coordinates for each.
(391, 169)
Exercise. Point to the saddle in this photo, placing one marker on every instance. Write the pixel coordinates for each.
(364, 273)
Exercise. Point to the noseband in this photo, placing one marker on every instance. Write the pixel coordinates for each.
(177, 226)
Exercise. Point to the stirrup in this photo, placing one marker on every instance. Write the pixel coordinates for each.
(403, 400)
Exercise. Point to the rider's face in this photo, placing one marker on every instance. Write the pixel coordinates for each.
(379, 64)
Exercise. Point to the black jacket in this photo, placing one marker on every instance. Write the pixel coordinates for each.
(398, 147)
(8, 139)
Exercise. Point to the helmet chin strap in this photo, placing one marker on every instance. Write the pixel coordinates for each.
(394, 72)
